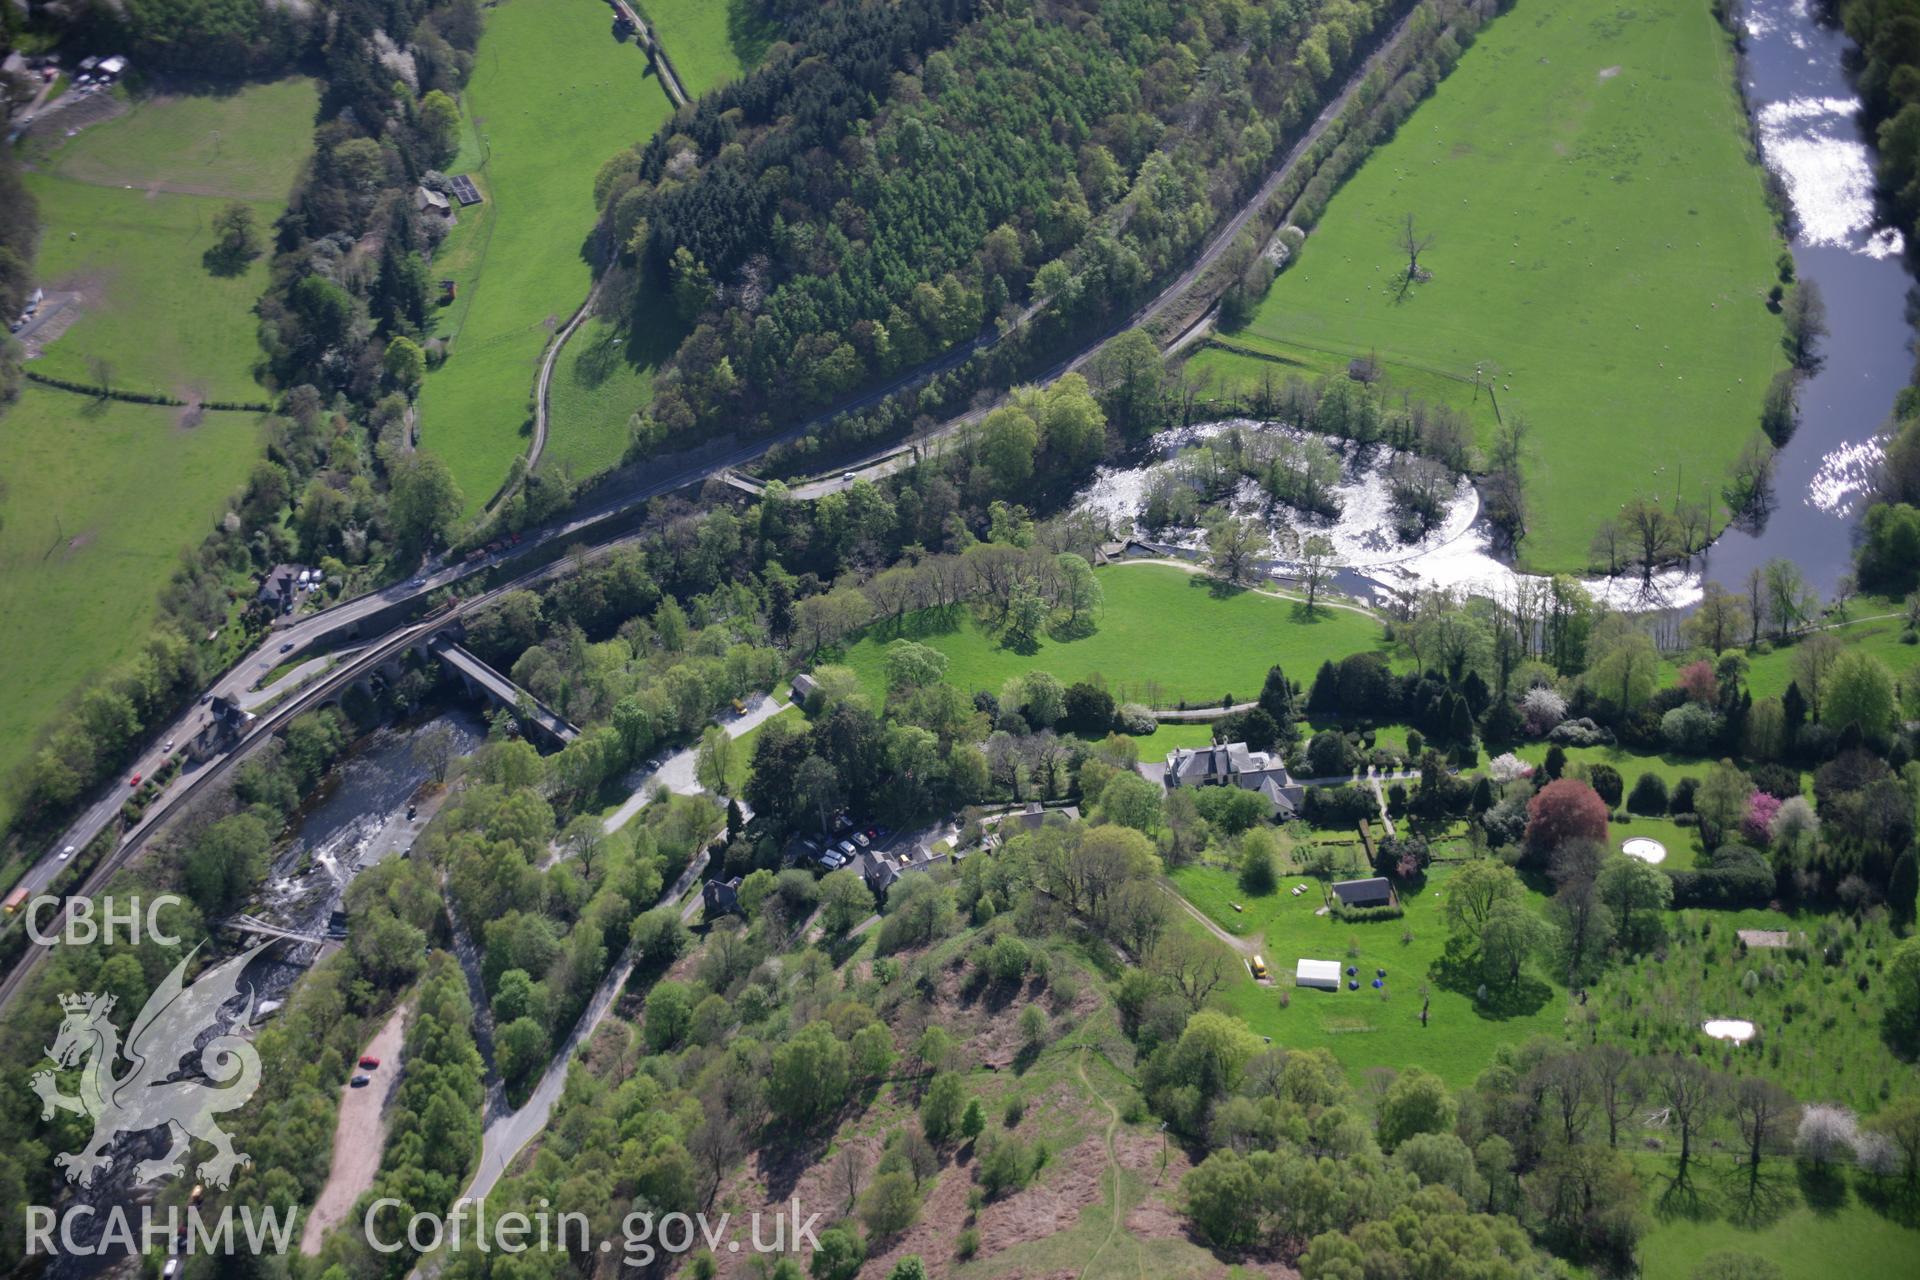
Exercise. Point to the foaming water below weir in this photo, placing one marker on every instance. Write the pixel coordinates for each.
(357, 818)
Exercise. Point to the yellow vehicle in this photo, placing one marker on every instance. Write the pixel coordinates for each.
(1259, 967)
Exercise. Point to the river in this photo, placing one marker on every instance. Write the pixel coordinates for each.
(357, 818)
(1808, 122)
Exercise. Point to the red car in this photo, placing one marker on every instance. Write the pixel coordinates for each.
(134, 781)
(369, 1063)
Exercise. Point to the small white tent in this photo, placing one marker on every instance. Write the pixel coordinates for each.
(1324, 974)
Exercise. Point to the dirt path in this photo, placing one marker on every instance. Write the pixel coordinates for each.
(1113, 1164)
(359, 1136)
(1243, 946)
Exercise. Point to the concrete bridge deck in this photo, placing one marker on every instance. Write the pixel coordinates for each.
(484, 679)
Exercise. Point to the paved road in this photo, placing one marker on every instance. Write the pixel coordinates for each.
(676, 772)
(507, 1134)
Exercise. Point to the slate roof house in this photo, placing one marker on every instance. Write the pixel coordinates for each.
(722, 897)
(1371, 892)
(280, 585)
(226, 722)
(1234, 764)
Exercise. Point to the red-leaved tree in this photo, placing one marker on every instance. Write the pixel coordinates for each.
(1563, 810)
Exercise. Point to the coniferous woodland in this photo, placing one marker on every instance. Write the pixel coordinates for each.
(898, 180)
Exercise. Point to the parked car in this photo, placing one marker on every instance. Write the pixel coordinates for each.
(847, 476)
(882, 833)
(359, 1082)
(846, 848)
(860, 838)
(369, 1063)
(832, 861)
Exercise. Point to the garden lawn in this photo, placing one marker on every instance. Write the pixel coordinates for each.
(1163, 636)
(101, 497)
(740, 768)
(1154, 746)
(553, 95)
(1360, 1028)
(1600, 243)
(1682, 843)
(1630, 764)
(710, 41)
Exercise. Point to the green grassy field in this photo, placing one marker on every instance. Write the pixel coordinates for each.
(150, 310)
(709, 41)
(87, 536)
(1163, 636)
(606, 371)
(1599, 241)
(99, 498)
(1361, 1028)
(1768, 674)
(232, 144)
(1238, 373)
(552, 96)
(126, 209)
(603, 375)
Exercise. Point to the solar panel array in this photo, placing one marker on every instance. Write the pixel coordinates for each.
(464, 191)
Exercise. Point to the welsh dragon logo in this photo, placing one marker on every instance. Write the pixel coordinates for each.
(146, 1096)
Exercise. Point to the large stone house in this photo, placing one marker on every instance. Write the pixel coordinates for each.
(1234, 764)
